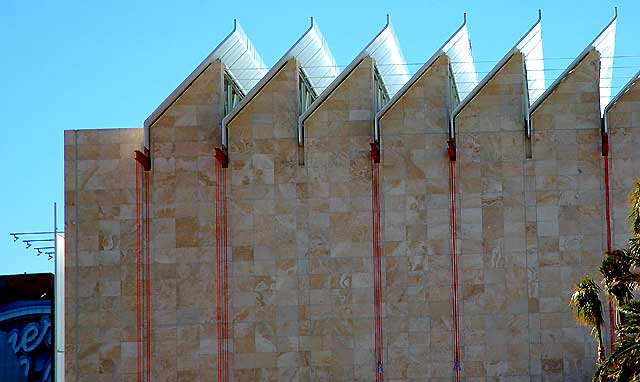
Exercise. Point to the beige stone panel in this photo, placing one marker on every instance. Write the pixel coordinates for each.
(265, 228)
(99, 189)
(624, 140)
(414, 183)
(182, 142)
(565, 219)
(339, 324)
(492, 260)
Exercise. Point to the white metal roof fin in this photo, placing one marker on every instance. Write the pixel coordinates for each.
(528, 40)
(458, 49)
(604, 43)
(313, 56)
(238, 55)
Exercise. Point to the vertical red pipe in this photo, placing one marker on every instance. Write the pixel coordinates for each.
(605, 157)
(226, 275)
(218, 272)
(377, 264)
(454, 261)
(139, 346)
(147, 273)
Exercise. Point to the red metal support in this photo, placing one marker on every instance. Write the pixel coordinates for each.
(375, 152)
(143, 159)
(221, 156)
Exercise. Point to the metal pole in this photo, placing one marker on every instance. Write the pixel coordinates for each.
(55, 294)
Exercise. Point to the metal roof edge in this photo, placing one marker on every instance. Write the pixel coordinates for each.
(622, 91)
(419, 72)
(409, 83)
(560, 78)
(336, 82)
(494, 71)
(184, 85)
(571, 66)
(260, 85)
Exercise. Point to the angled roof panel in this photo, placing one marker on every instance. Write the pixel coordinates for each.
(604, 43)
(385, 50)
(530, 46)
(239, 57)
(314, 58)
(458, 48)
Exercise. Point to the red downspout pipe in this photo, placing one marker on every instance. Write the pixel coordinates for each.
(143, 290)
(607, 198)
(222, 268)
(451, 151)
(377, 264)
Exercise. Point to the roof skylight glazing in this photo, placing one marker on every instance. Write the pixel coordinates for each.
(241, 60)
(315, 58)
(531, 47)
(458, 49)
(385, 51)
(605, 43)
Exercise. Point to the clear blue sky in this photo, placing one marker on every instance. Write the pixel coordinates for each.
(91, 65)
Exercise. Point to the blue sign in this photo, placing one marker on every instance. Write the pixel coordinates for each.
(26, 330)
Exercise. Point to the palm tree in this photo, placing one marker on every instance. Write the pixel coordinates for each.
(634, 217)
(588, 310)
(623, 364)
(617, 276)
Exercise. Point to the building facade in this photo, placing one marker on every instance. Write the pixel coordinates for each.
(307, 224)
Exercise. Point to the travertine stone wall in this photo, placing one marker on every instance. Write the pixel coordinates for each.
(182, 232)
(300, 236)
(100, 253)
(415, 188)
(624, 140)
(338, 329)
(565, 221)
(493, 267)
(266, 237)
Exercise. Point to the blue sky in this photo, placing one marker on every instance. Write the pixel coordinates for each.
(89, 65)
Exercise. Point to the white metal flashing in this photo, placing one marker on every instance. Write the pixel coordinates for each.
(527, 45)
(385, 51)
(313, 56)
(604, 43)
(615, 99)
(458, 49)
(239, 57)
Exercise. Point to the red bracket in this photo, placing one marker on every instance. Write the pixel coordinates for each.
(221, 156)
(375, 152)
(451, 149)
(143, 159)
(605, 144)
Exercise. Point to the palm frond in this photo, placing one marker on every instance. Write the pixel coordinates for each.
(587, 306)
(634, 208)
(616, 274)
